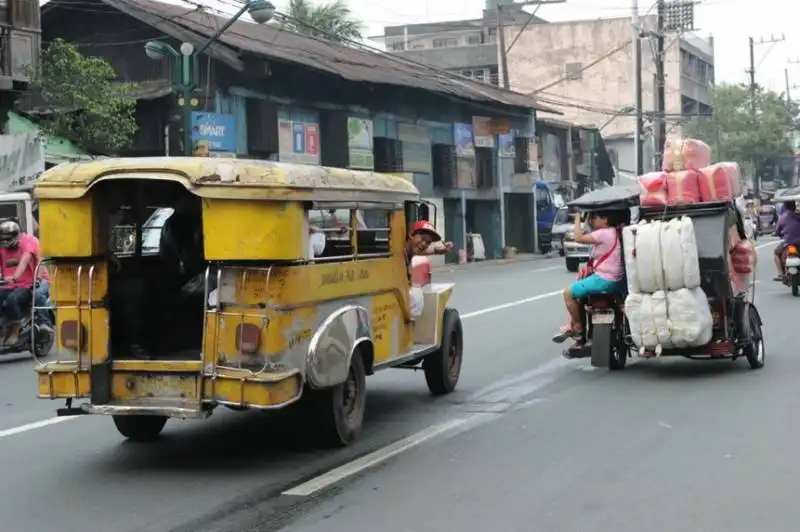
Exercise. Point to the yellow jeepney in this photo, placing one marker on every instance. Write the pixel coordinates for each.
(228, 304)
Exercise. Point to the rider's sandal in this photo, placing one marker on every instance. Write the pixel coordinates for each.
(564, 333)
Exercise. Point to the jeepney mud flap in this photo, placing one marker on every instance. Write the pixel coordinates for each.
(100, 383)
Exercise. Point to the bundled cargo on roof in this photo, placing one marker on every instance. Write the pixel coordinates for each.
(688, 177)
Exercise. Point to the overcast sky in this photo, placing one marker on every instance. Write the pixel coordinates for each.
(730, 21)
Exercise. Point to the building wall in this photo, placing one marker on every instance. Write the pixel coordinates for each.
(544, 53)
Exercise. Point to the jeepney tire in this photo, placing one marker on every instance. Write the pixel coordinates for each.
(140, 428)
(443, 367)
(338, 424)
(572, 265)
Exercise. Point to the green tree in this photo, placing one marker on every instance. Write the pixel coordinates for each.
(332, 21)
(734, 133)
(84, 103)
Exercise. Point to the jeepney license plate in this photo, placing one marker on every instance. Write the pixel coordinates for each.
(603, 318)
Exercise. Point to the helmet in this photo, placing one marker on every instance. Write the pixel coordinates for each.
(9, 234)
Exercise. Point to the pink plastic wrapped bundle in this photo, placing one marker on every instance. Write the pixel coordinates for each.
(720, 182)
(685, 154)
(742, 262)
(654, 188)
(683, 187)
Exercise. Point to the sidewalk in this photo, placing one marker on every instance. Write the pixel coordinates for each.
(522, 257)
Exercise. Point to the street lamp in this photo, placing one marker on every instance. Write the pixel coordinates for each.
(186, 72)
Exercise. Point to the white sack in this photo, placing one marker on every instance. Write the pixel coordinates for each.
(671, 259)
(690, 317)
(647, 254)
(629, 246)
(681, 318)
(691, 262)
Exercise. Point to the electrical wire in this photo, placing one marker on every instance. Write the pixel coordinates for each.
(524, 27)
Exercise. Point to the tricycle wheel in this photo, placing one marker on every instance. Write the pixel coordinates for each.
(755, 348)
(140, 428)
(619, 356)
(337, 413)
(795, 286)
(443, 366)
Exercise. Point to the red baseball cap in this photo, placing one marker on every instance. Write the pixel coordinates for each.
(424, 226)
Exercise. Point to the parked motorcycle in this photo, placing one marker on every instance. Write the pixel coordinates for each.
(792, 265)
(34, 335)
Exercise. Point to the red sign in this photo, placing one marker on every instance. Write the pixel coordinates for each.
(312, 139)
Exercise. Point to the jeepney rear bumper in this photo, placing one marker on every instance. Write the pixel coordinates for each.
(179, 394)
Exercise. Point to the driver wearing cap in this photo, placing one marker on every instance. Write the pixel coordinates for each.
(424, 239)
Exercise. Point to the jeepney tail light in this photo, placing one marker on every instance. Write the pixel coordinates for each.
(248, 338)
(73, 335)
(791, 250)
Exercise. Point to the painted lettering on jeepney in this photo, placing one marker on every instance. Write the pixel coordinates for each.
(380, 321)
(347, 274)
(299, 338)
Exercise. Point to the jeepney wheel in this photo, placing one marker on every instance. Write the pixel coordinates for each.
(443, 366)
(140, 428)
(755, 348)
(338, 413)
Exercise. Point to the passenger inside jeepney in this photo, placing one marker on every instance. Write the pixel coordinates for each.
(423, 239)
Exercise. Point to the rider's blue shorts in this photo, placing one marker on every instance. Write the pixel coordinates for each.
(593, 284)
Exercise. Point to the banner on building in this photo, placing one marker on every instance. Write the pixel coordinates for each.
(21, 161)
(482, 132)
(462, 140)
(417, 154)
(213, 133)
(359, 143)
(298, 142)
(505, 146)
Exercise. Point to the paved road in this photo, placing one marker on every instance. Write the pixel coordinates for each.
(545, 443)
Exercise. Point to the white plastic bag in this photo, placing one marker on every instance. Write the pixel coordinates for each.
(416, 301)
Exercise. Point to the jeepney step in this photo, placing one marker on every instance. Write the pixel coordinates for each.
(72, 411)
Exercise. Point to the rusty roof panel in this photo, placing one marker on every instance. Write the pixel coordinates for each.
(353, 64)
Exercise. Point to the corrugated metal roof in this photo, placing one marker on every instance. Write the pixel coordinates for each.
(350, 63)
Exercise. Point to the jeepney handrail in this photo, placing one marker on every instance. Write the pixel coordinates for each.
(220, 312)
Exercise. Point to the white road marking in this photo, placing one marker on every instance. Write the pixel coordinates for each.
(511, 304)
(36, 425)
(372, 459)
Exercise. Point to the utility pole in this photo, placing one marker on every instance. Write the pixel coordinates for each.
(754, 91)
(661, 103)
(637, 88)
(788, 91)
(501, 36)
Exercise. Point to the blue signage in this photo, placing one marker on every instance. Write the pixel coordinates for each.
(299, 138)
(462, 139)
(216, 129)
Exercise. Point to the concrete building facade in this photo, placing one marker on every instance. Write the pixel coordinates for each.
(586, 69)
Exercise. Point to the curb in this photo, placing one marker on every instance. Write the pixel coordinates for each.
(487, 263)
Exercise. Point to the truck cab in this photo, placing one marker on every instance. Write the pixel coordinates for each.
(19, 205)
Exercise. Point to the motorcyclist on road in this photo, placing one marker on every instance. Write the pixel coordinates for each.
(19, 254)
(788, 230)
(604, 271)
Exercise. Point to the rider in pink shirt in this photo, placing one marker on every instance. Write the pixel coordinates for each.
(603, 274)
